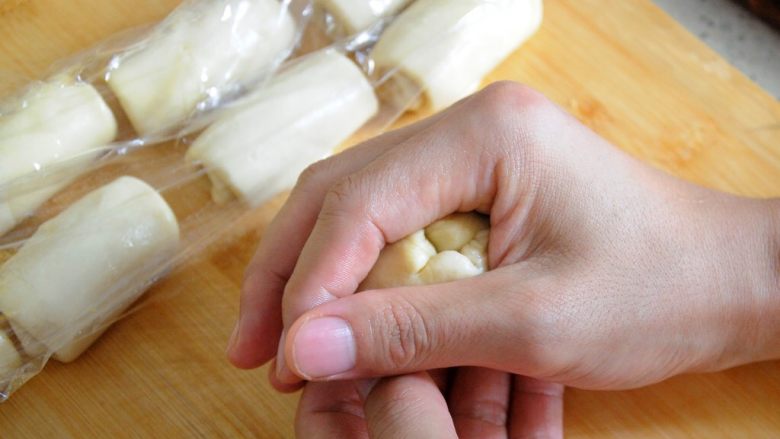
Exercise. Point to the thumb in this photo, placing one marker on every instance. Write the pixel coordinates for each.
(481, 321)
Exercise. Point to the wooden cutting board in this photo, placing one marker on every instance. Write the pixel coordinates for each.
(623, 67)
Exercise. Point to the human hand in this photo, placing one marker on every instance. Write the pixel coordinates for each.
(607, 274)
(466, 403)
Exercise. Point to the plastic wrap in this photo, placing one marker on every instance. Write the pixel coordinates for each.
(88, 218)
(60, 119)
(195, 57)
(446, 47)
(168, 80)
(124, 231)
(120, 166)
(347, 17)
(299, 117)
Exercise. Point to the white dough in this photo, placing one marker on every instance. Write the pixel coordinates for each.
(86, 265)
(355, 15)
(58, 121)
(297, 118)
(9, 357)
(204, 48)
(446, 47)
(452, 248)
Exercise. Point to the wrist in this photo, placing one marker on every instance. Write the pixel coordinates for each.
(759, 335)
(739, 318)
(769, 314)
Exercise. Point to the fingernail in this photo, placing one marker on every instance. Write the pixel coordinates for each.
(364, 387)
(280, 363)
(233, 338)
(324, 347)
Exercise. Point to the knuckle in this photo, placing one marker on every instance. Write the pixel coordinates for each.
(508, 96)
(512, 103)
(407, 335)
(345, 194)
(315, 174)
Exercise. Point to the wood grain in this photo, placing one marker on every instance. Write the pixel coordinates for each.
(624, 68)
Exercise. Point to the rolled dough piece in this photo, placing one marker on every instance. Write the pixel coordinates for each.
(85, 266)
(452, 248)
(10, 360)
(297, 118)
(444, 48)
(355, 15)
(202, 50)
(59, 125)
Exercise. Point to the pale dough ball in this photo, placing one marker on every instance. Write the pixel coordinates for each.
(452, 248)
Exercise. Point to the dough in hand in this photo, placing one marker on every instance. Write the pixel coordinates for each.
(452, 248)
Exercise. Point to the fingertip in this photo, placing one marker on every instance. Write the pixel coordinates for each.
(240, 360)
(280, 386)
(287, 376)
(234, 353)
(249, 346)
(281, 371)
(259, 322)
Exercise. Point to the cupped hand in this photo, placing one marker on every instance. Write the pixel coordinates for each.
(607, 274)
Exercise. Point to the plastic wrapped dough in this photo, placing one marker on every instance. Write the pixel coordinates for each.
(198, 53)
(215, 61)
(452, 248)
(85, 266)
(355, 15)
(58, 120)
(297, 118)
(65, 279)
(444, 48)
(10, 360)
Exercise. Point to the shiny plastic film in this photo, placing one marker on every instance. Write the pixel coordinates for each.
(348, 17)
(260, 147)
(140, 88)
(132, 157)
(446, 47)
(210, 49)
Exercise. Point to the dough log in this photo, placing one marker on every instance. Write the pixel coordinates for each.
(452, 248)
(203, 49)
(85, 266)
(353, 16)
(59, 121)
(297, 118)
(446, 47)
